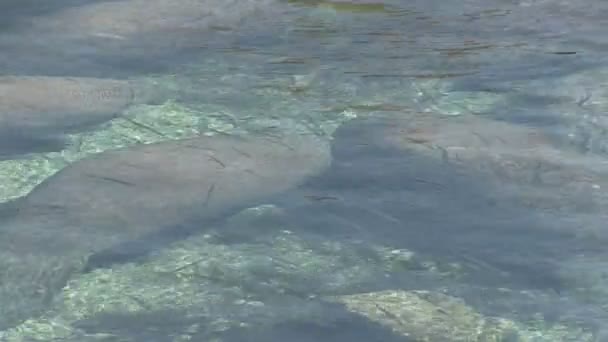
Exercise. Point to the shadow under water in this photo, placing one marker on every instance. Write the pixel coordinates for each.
(335, 325)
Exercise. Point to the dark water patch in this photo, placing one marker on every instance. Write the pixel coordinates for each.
(152, 326)
(335, 325)
(14, 145)
(546, 113)
(504, 74)
(330, 323)
(141, 249)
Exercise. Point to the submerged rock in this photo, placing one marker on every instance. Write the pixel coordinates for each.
(119, 196)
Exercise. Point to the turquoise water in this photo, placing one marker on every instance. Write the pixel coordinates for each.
(388, 171)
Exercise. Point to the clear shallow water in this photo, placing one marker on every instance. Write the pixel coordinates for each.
(464, 200)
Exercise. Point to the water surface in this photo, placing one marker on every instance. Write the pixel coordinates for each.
(464, 200)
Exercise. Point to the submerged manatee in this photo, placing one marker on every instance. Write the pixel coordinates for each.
(144, 28)
(122, 195)
(126, 37)
(390, 185)
(125, 19)
(35, 108)
(522, 160)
